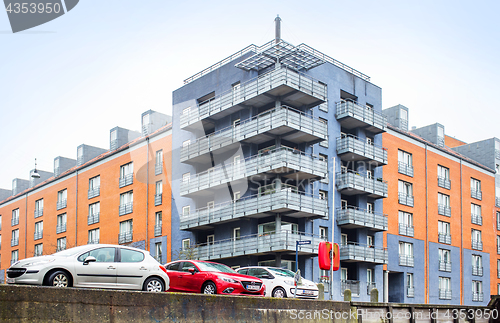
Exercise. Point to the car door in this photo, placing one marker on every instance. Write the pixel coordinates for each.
(100, 273)
(132, 269)
(173, 273)
(190, 282)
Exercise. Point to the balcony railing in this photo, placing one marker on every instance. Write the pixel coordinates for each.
(269, 242)
(93, 218)
(477, 271)
(410, 291)
(476, 219)
(498, 249)
(93, 241)
(126, 180)
(158, 168)
(405, 199)
(477, 244)
(255, 87)
(405, 169)
(497, 201)
(282, 159)
(498, 273)
(352, 148)
(357, 115)
(38, 235)
(126, 208)
(352, 285)
(125, 237)
(444, 266)
(355, 217)
(158, 199)
(37, 253)
(444, 238)
(61, 204)
(475, 194)
(14, 242)
(268, 121)
(14, 221)
(444, 209)
(303, 204)
(157, 230)
(406, 230)
(94, 192)
(444, 293)
(38, 212)
(354, 251)
(370, 286)
(353, 183)
(61, 228)
(477, 297)
(405, 260)
(444, 182)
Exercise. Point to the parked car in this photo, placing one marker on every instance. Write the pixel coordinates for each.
(194, 276)
(280, 282)
(95, 266)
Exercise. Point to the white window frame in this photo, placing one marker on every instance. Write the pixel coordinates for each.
(405, 157)
(186, 244)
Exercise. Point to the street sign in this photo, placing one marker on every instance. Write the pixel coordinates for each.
(303, 242)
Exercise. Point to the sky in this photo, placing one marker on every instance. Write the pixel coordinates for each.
(69, 81)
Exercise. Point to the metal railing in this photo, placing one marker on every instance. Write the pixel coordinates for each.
(157, 230)
(406, 230)
(370, 286)
(126, 180)
(475, 194)
(444, 293)
(405, 169)
(351, 180)
(352, 285)
(497, 201)
(476, 219)
(352, 144)
(280, 158)
(93, 218)
(14, 221)
(158, 168)
(444, 238)
(113, 144)
(261, 123)
(405, 199)
(444, 266)
(477, 297)
(349, 108)
(37, 253)
(38, 235)
(477, 244)
(444, 209)
(359, 252)
(94, 192)
(256, 204)
(125, 237)
(252, 88)
(477, 271)
(61, 228)
(14, 242)
(126, 208)
(93, 241)
(410, 291)
(62, 204)
(158, 199)
(38, 212)
(268, 242)
(354, 215)
(444, 182)
(405, 260)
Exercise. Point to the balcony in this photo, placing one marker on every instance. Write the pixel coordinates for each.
(476, 244)
(405, 169)
(352, 285)
(405, 260)
(497, 201)
(158, 168)
(38, 235)
(444, 293)
(353, 251)
(126, 180)
(94, 192)
(259, 244)
(370, 286)
(14, 221)
(351, 148)
(61, 204)
(296, 204)
(476, 219)
(126, 208)
(405, 199)
(158, 199)
(353, 217)
(444, 209)
(351, 115)
(125, 237)
(61, 228)
(475, 194)
(14, 242)
(444, 238)
(444, 182)
(406, 230)
(477, 271)
(93, 218)
(293, 163)
(351, 183)
(37, 253)
(498, 273)
(445, 266)
(477, 297)
(93, 241)
(38, 213)
(293, 125)
(157, 230)
(293, 88)
(410, 291)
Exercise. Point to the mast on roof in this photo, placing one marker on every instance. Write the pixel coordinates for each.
(277, 23)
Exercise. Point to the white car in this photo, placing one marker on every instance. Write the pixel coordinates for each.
(94, 266)
(280, 283)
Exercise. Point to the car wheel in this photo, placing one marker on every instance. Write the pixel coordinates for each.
(59, 279)
(209, 288)
(153, 284)
(279, 292)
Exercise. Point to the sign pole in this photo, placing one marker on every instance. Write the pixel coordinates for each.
(332, 203)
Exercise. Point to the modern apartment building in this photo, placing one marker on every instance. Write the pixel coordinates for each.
(120, 195)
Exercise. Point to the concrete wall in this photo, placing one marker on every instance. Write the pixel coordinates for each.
(123, 136)
(64, 164)
(431, 133)
(19, 185)
(5, 194)
(393, 115)
(89, 152)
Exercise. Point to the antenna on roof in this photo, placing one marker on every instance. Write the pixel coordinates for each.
(35, 174)
(277, 22)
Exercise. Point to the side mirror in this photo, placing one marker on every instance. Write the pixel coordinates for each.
(89, 259)
(192, 271)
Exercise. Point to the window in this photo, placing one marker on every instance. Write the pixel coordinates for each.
(477, 242)
(0, 222)
(236, 233)
(444, 260)
(323, 233)
(15, 238)
(410, 288)
(236, 122)
(158, 252)
(145, 119)
(406, 224)
(444, 177)
(79, 155)
(370, 241)
(15, 217)
(61, 244)
(159, 162)
(158, 224)
(405, 190)
(370, 280)
(38, 230)
(477, 291)
(343, 239)
(444, 288)
(324, 143)
(186, 210)
(444, 232)
(405, 158)
(323, 157)
(128, 255)
(38, 250)
(95, 209)
(62, 199)
(475, 188)
(475, 214)
(477, 265)
(126, 203)
(94, 187)
(369, 141)
(126, 174)
(93, 236)
(158, 193)
(113, 135)
(444, 204)
(370, 207)
(322, 194)
(236, 91)
(38, 208)
(14, 256)
(186, 244)
(406, 254)
(61, 223)
(125, 232)
(270, 227)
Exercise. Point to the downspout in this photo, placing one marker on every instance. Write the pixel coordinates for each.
(426, 248)
(147, 193)
(462, 236)
(76, 211)
(25, 226)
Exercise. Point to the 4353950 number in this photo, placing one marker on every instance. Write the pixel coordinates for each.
(26, 7)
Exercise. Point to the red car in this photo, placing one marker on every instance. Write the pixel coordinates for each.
(193, 276)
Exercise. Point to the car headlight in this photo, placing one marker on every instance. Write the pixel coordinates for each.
(290, 282)
(227, 279)
(38, 263)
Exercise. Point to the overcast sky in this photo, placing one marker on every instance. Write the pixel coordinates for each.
(101, 65)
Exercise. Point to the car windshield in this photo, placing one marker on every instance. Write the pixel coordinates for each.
(282, 272)
(70, 252)
(210, 266)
